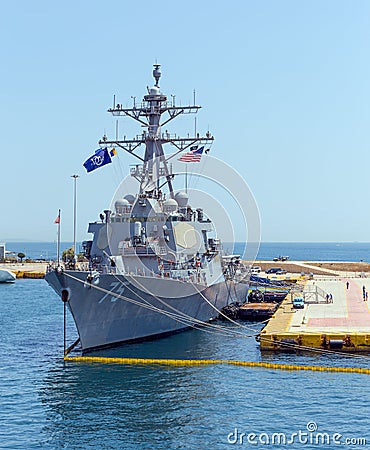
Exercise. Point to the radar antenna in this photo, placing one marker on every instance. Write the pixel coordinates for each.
(157, 74)
(149, 113)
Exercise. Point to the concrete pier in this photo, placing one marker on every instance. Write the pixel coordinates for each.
(26, 270)
(343, 324)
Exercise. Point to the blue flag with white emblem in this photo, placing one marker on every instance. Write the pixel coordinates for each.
(99, 159)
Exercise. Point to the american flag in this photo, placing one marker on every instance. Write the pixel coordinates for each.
(194, 155)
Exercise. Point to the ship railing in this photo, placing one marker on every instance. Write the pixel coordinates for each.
(197, 275)
(184, 275)
(137, 171)
(146, 107)
(166, 136)
(107, 269)
(80, 266)
(51, 267)
(192, 275)
(140, 251)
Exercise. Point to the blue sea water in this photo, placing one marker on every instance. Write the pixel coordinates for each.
(298, 251)
(46, 403)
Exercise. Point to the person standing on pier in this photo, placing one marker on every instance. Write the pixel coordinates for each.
(347, 284)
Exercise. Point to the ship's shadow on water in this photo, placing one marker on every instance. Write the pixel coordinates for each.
(190, 344)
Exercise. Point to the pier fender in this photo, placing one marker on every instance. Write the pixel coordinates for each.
(335, 343)
(288, 341)
(324, 342)
(65, 294)
(347, 341)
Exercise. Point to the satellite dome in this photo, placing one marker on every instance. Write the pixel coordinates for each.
(121, 202)
(130, 198)
(121, 205)
(154, 90)
(170, 205)
(182, 199)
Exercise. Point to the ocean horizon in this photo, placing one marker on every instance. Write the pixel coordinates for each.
(296, 251)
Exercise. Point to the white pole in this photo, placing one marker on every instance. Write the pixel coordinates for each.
(186, 178)
(74, 215)
(58, 244)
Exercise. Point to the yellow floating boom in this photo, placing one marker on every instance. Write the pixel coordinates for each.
(201, 362)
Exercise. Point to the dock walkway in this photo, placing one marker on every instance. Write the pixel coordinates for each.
(343, 324)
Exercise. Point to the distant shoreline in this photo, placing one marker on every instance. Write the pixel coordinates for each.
(315, 267)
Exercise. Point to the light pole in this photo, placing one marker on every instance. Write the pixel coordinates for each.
(74, 215)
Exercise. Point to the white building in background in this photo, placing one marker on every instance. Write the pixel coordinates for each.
(2, 250)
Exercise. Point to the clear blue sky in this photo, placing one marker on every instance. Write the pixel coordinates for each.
(284, 87)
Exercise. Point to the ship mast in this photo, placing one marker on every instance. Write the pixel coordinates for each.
(149, 114)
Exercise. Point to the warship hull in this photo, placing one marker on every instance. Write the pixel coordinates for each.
(112, 309)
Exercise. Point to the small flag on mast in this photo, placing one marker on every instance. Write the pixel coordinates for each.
(57, 220)
(194, 155)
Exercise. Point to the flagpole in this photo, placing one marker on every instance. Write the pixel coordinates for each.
(74, 216)
(186, 178)
(64, 327)
(58, 245)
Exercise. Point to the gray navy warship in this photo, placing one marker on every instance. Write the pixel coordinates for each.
(154, 267)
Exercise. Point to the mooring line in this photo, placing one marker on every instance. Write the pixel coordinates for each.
(213, 328)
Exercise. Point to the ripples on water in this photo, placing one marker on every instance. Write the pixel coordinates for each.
(48, 404)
